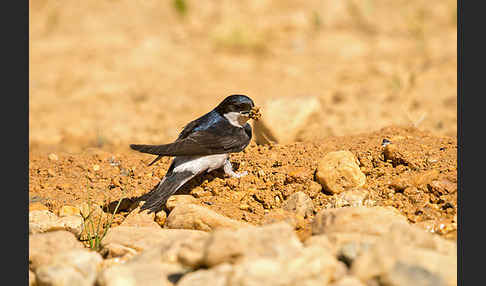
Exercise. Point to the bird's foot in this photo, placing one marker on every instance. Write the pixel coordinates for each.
(228, 170)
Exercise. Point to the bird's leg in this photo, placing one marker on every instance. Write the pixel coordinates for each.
(228, 170)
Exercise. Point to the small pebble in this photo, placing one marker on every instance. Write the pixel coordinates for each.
(160, 218)
(199, 192)
(68, 211)
(244, 207)
(53, 157)
(96, 167)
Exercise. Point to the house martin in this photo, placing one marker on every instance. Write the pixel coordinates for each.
(203, 146)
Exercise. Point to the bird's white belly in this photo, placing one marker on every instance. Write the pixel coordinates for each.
(197, 164)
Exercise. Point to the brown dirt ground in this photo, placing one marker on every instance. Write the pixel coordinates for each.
(104, 74)
(420, 179)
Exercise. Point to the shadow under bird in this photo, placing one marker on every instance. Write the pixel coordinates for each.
(203, 146)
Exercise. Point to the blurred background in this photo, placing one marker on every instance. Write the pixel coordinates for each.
(110, 73)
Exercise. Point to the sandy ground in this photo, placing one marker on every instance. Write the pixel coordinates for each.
(104, 74)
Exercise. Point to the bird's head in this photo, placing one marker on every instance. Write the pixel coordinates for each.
(238, 109)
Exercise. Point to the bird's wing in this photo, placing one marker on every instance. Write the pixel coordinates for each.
(184, 133)
(189, 128)
(202, 142)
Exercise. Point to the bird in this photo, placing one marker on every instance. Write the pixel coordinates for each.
(202, 146)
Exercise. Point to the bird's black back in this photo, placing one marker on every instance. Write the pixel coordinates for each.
(208, 135)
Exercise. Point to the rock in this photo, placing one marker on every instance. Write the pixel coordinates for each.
(341, 270)
(412, 274)
(176, 200)
(411, 235)
(311, 266)
(160, 218)
(391, 153)
(244, 207)
(44, 220)
(73, 223)
(422, 179)
(300, 204)
(397, 155)
(37, 206)
(41, 221)
(347, 251)
(353, 230)
(162, 263)
(408, 256)
(339, 171)
(215, 276)
(351, 198)
(296, 174)
(69, 211)
(442, 187)
(43, 246)
(314, 189)
(277, 126)
(32, 281)
(185, 247)
(199, 192)
(319, 240)
(363, 220)
(349, 246)
(190, 252)
(119, 251)
(135, 273)
(59, 276)
(53, 157)
(306, 266)
(348, 281)
(75, 267)
(345, 246)
(138, 218)
(123, 240)
(110, 262)
(281, 215)
(272, 241)
(199, 218)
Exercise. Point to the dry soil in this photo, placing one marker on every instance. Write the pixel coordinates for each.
(104, 74)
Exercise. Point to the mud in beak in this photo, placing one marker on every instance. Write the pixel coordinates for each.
(255, 113)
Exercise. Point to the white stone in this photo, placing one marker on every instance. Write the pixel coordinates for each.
(75, 267)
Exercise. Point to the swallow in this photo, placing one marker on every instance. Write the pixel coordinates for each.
(202, 146)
